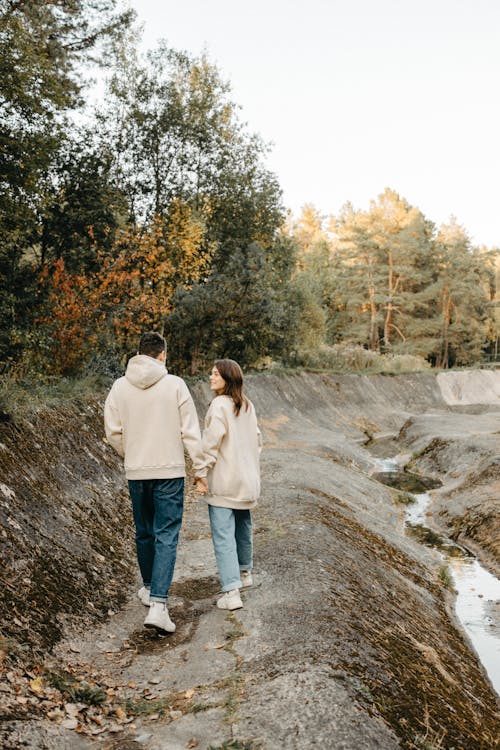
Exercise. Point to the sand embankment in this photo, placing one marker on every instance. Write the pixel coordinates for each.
(347, 640)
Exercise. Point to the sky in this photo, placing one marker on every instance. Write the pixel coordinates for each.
(359, 95)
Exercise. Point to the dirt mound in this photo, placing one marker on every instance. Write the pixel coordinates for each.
(462, 450)
(66, 542)
(347, 637)
(470, 386)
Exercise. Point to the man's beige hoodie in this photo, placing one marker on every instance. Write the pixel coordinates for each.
(149, 418)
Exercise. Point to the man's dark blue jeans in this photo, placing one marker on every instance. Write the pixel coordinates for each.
(157, 506)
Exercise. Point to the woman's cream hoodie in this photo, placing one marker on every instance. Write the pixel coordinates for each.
(150, 417)
(232, 445)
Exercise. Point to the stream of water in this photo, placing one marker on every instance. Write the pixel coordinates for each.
(478, 590)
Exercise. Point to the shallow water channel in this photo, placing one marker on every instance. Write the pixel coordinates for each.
(477, 590)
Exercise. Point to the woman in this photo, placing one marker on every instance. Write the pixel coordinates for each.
(231, 445)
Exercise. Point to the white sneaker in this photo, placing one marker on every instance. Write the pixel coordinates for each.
(158, 618)
(143, 595)
(246, 578)
(230, 600)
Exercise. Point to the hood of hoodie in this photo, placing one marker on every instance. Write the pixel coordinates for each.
(144, 371)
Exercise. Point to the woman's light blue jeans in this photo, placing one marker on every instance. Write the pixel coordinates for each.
(157, 505)
(233, 546)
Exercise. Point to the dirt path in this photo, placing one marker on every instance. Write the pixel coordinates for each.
(346, 641)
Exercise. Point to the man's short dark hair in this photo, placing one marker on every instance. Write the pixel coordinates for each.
(152, 344)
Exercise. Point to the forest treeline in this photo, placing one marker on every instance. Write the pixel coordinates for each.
(154, 209)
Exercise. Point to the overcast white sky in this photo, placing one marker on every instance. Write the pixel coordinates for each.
(358, 95)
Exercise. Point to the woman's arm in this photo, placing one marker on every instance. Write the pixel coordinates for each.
(215, 429)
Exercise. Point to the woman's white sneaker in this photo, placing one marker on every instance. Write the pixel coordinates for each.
(143, 595)
(246, 578)
(158, 618)
(230, 600)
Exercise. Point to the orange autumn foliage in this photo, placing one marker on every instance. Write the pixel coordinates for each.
(132, 292)
(64, 329)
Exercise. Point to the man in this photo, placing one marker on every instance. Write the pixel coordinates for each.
(149, 417)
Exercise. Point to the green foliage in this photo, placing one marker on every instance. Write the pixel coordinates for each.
(444, 577)
(43, 47)
(385, 280)
(350, 357)
(23, 395)
(233, 313)
(77, 692)
(83, 207)
(161, 212)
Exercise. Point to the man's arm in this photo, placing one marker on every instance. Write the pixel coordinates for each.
(190, 431)
(113, 425)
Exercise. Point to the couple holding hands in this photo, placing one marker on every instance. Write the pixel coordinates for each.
(149, 418)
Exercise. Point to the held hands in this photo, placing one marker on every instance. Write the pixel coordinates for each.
(201, 485)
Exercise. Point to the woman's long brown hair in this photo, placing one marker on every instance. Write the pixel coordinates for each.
(233, 379)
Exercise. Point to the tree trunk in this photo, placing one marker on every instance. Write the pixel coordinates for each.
(194, 358)
(443, 360)
(389, 308)
(373, 321)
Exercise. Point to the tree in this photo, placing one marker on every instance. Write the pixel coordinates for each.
(233, 313)
(385, 265)
(462, 299)
(132, 291)
(42, 48)
(82, 208)
(359, 277)
(175, 133)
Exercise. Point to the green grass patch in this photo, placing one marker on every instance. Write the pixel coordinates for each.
(76, 692)
(143, 707)
(25, 398)
(444, 577)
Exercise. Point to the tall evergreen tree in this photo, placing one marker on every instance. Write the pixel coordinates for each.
(462, 301)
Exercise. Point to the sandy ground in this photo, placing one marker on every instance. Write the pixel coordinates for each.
(347, 639)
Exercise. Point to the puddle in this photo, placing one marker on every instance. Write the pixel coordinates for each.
(477, 590)
(406, 481)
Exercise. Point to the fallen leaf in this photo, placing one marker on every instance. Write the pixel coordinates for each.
(55, 714)
(72, 709)
(120, 714)
(70, 723)
(193, 742)
(189, 693)
(36, 685)
(131, 684)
